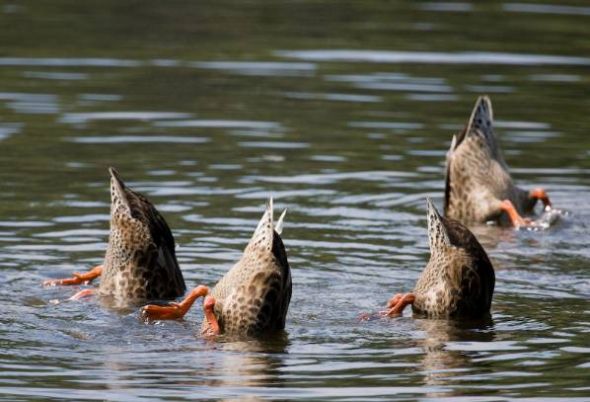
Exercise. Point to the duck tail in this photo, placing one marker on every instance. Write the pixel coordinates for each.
(263, 235)
(482, 115)
(437, 232)
(481, 121)
(279, 224)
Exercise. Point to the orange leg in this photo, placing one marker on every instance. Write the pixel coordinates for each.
(77, 279)
(390, 304)
(174, 311)
(394, 300)
(212, 324)
(402, 302)
(540, 194)
(83, 293)
(513, 214)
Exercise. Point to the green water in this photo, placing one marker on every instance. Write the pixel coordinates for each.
(343, 111)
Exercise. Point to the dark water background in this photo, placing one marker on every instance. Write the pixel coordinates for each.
(344, 112)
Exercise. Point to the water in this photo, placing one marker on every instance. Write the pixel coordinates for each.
(343, 112)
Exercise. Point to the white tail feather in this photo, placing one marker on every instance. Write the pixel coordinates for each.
(279, 224)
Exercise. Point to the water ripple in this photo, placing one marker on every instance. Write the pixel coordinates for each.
(374, 56)
(77, 118)
(546, 9)
(139, 139)
(67, 62)
(258, 68)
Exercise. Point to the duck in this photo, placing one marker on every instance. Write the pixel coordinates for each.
(252, 298)
(140, 261)
(478, 185)
(459, 279)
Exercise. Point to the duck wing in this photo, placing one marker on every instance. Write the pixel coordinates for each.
(163, 260)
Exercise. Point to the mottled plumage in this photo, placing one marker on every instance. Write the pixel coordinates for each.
(478, 184)
(140, 262)
(254, 295)
(459, 278)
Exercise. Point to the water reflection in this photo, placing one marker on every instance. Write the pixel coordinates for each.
(251, 363)
(442, 366)
(227, 370)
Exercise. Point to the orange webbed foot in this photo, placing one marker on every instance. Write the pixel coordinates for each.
(515, 218)
(395, 306)
(170, 311)
(394, 300)
(83, 293)
(398, 303)
(77, 278)
(541, 194)
(174, 311)
(212, 328)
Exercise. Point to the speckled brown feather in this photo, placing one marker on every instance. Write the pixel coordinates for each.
(459, 279)
(477, 178)
(253, 297)
(140, 263)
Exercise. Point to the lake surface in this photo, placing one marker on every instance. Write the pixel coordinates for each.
(343, 111)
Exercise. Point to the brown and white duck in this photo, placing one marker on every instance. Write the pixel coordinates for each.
(140, 261)
(458, 280)
(478, 185)
(252, 297)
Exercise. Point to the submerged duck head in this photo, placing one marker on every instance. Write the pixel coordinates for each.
(140, 262)
(478, 185)
(458, 280)
(253, 297)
